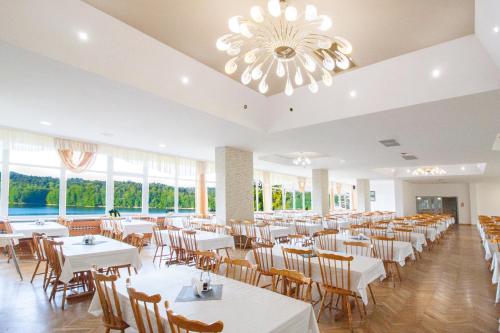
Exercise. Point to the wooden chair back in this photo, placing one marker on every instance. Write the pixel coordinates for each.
(110, 302)
(208, 227)
(117, 230)
(298, 260)
(241, 270)
(237, 228)
(208, 261)
(250, 230)
(190, 243)
(378, 231)
(264, 232)
(181, 324)
(144, 320)
(223, 229)
(38, 246)
(137, 240)
(383, 248)
(335, 272)
(175, 238)
(292, 284)
(326, 239)
(158, 237)
(301, 228)
(402, 234)
(263, 254)
(52, 248)
(331, 224)
(358, 248)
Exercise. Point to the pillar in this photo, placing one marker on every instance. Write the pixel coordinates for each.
(363, 195)
(399, 197)
(320, 191)
(201, 197)
(234, 188)
(267, 192)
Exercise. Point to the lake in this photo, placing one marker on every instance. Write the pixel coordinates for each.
(20, 210)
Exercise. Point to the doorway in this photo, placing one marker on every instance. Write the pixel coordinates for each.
(438, 205)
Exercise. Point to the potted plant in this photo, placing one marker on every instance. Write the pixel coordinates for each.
(114, 212)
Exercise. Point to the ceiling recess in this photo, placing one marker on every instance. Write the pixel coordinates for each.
(390, 143)
(409, 157)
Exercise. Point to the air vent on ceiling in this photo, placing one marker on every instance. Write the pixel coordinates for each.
(409, 157)
(390, 143)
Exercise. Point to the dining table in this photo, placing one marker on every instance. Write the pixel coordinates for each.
(136, 226)
(242, 308)
(364, 270)
(49, 228)
(10, 241)
(206, 240)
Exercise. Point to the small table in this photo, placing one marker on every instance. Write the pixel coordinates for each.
(51, 229)
(10, 241)
(136, 226)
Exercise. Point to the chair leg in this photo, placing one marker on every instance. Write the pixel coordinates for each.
(64, 296)
(397, 270)
(359, 309)
(371, 293)
(36, 270)
(156, 252)
(349, 312)
(321, 306)
(161, 256)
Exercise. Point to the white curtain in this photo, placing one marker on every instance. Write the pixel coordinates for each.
(25, 141)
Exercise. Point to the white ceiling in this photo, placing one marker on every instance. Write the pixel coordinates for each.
(126, 83)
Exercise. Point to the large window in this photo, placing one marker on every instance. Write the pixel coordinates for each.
(277, 194)
(308, 201)
(289, 200)
(298, 200)
(186, 196)
(161, 195)
(258, 196)
(211, 197)
(128, 194)
(86, 193)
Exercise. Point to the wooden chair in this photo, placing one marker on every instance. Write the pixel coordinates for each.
(300, 260)
(250, 233)
(237, 232)
(302, 229)
(110, 302)
(331, 224)
(207, 261)
(117, 230)
(383, 248)
(137, 240)
(360, 249)
(190, 245)
(296, 240)
(209, 227)
(336, 280)
(378, 231)
(263, 254)
(326, 239)
(176, 247)
(293, 284)
(179, 324)
(264, 233)
(223, 229)
(402, 234)
(143, 317)
(55, 257)
(41, 258)
(241, 270)
(160, 245)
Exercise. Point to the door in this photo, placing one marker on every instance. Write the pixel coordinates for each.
(450, 206)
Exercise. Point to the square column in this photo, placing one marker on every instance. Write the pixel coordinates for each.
(363, 195)
(320, 191)
(234, 188)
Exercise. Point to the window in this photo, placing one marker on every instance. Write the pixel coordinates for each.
(186, 196)
(211, 197)
(308, 201)
(258, 199)
(33, 190)
(289, 200)
(277, 194)
(86, 193)
(128, 194)
(298, 200)
(161, 195)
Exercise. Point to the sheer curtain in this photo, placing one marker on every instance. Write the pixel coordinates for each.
(76, 156)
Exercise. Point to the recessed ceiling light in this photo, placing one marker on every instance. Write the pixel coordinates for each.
(393, 170)
(185, 80)
(45, 123)
(353, 93)
(436, 73)
(496, 29)
(408, 170)
(162, 145)
(83, 36)
(462, 168)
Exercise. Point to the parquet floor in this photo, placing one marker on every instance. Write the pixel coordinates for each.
(448, 290)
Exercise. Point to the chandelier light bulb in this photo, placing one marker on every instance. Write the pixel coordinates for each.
(274, 8)
(311, 13)
(291, 13)
(290, 36)
(257, 14)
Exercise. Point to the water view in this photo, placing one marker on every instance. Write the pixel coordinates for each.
(20, 210)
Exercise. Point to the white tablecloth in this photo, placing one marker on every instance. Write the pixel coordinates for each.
(311, 227)
(489, 249)
(5, 239)
(495, 266)
(243, 308)
(51, 229)
(417, 240)
(136, 226)
(105, 253)
(207, 240)
(364, 270)
(276, 231)
(402, 250)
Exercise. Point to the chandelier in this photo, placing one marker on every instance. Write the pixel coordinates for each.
(302, 161)
(290, 44)
(429, 171)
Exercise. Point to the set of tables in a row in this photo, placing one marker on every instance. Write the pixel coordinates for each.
(489, 230)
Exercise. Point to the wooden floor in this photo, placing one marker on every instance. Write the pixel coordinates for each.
(448, 290)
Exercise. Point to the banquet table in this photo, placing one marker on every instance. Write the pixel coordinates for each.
(51, 229)
(402, 250)
(495, 267)
(207, 241)
(136, 226)
(106, 252)
(10, 241)
(417, 240)
(311, 227)
(276, 231)
(489, 249)
(243, 308)
(364, 270)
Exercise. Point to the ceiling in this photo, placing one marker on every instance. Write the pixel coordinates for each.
(378, 29)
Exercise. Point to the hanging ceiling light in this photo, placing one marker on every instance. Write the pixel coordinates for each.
(429, 171)
(302, 161)
(286, 42)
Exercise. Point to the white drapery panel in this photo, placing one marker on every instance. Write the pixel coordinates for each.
(25, 141)
(289, 182)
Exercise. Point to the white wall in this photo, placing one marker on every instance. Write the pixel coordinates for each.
(485, 199)
(385, 198)
(461, 191)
